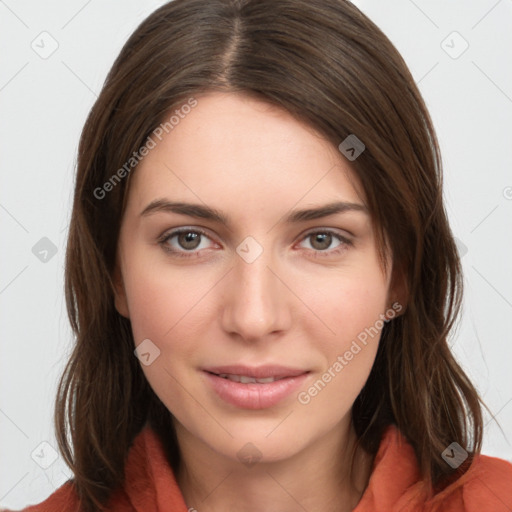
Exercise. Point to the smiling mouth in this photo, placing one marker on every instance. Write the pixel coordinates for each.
(249, 387)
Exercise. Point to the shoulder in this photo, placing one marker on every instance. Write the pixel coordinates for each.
(148, 479)
(487, 485)
(396, 484)
(492, 468)
(64, 499)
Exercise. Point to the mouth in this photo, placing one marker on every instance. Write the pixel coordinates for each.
(254, 387)
(244, 379)
(255, 372)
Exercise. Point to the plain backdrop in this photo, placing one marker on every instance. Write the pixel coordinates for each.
(458, 53)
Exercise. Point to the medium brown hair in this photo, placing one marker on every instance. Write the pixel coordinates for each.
(328, 65)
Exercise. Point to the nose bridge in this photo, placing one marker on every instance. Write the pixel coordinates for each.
(255, 304)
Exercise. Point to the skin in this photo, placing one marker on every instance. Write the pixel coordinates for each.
(299, 303)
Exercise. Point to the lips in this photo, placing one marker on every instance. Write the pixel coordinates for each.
(254, 387)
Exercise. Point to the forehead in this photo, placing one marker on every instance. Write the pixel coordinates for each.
(233, 151)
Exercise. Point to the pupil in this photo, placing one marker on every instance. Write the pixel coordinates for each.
(189, 240)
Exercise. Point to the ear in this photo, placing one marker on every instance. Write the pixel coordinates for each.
(120, 299)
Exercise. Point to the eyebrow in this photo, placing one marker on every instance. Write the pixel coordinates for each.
(205, 212)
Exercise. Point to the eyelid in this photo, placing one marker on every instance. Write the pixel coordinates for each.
(331, 231)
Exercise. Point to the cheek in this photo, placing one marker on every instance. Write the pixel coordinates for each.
(347, 356)
(165, 307)
(353, 306)
(351, 302)
(329, 397)
(160, 299)
(170, 307)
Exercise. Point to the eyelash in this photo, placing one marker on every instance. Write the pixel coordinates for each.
(164, 239)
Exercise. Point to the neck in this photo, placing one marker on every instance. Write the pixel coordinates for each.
(319, 478)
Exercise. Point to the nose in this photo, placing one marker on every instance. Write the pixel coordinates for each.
(256, 303)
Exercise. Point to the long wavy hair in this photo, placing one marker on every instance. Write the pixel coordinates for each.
(328, 65)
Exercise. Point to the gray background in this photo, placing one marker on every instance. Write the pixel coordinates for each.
(44, 100)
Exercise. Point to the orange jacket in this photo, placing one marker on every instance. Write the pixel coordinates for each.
(394, 486)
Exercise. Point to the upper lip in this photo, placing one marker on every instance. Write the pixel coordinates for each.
(257, 372)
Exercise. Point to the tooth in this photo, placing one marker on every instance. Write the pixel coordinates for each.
(246, 380)
(266, 380)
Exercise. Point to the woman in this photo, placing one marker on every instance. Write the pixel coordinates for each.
(261, 278)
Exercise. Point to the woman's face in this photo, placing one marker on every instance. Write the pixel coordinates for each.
(257, 290)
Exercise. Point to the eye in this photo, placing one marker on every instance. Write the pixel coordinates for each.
(321, 242)
(184, 242)
(187, 242)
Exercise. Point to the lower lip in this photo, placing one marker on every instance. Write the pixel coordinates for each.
(254, 395)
